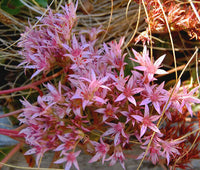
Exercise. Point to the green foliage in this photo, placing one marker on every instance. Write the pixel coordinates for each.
(4, 151)
(128, 67)
(42, 3)
(13, 7)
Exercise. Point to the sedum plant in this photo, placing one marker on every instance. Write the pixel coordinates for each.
(168, 15)
(95, 106)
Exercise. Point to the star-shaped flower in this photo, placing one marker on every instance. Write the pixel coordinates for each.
(70, 158)
(147, 121)
(128, 91)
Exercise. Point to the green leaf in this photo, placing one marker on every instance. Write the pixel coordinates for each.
(11, 6)
(129, 66)
(42, 3)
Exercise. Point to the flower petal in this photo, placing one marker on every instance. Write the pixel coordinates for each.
(132, 100)
(143, 130)
(120, 97)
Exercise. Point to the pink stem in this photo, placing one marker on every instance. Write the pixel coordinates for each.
(11, 133)
(11, 113)
(32, 85)
(36, 88)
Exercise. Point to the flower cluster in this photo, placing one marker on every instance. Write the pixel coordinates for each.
(179, 15)
(43, 45)
(95, 106)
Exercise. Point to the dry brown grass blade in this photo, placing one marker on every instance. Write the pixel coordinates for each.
(101, 15)
(28, 168)
(136, 27)
(9, 20)
(170, 36)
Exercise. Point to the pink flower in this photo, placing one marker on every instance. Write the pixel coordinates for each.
(147, 65)
(154, 152)
(156, 95)
(79, 122)
(117, 130)
(41, 62)
(128, 114)
(70, 13)
(144, 37)
(108, 112)
(70, 158)
(101, 151)
(42, 45)
(188, 99)
(128, 91)
(38, 150)
(55, 95)
(96, 83)
(170, 148)
(114, 54)
(31, 113)
(119, 80)
(176, 98)
(62, 23)
(117, 155)
(93, 33)
(88, 87)
(75, 105)
(77, 54)
(36, 56)
(147, 121)
(68, 142)
(28, 112)
(183, 98)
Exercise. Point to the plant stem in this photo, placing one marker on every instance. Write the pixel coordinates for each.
(11, 133)
(32, 85)
(11, 113)
(11, 153)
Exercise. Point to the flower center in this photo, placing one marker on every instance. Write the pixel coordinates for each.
(127, 92)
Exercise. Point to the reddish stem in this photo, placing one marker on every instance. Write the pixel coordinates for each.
(11, 133)
(11, 113)
(36, 88)
(10, 154)
(32, 85)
